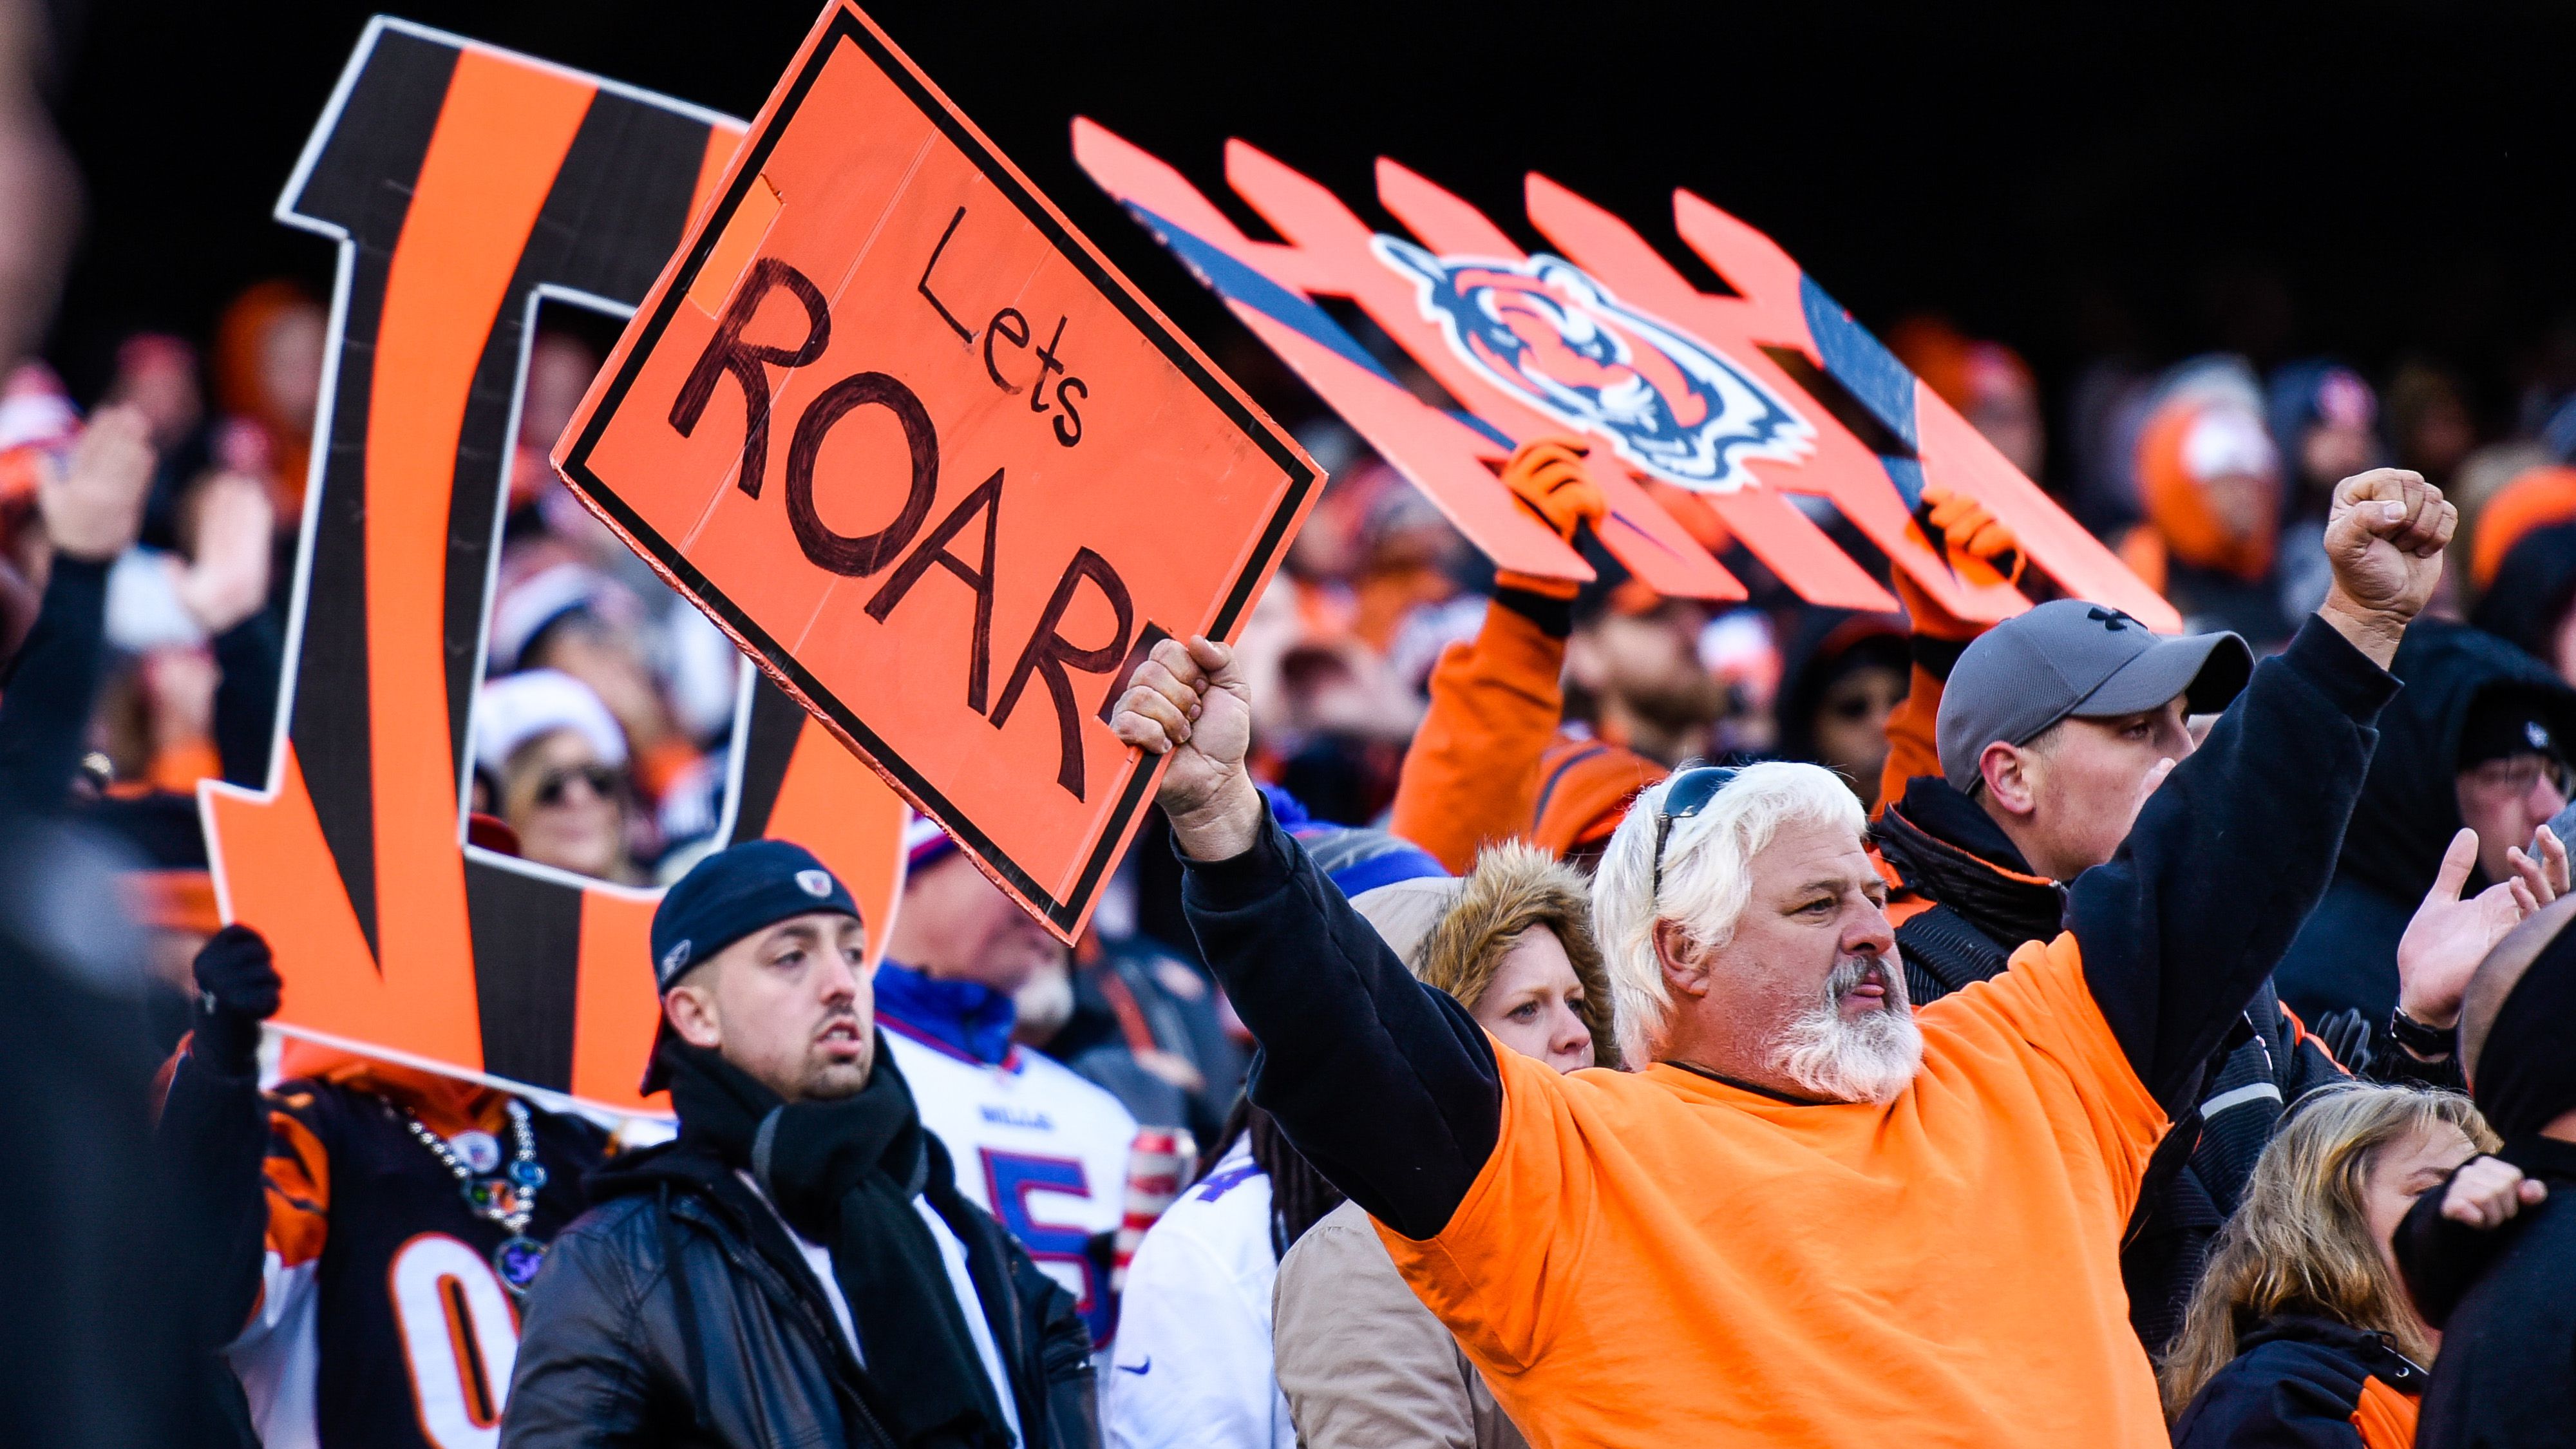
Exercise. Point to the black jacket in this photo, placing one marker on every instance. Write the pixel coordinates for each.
(2346, 955)
(1989, 901)
(2297, 1382)
(2506, 1304)
(679, 1311)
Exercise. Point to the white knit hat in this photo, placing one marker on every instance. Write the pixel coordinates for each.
(517, 708)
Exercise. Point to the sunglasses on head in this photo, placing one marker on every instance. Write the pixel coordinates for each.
(601, 779)
(1689, 794)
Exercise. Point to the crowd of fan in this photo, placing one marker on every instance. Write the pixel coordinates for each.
(2155, 984)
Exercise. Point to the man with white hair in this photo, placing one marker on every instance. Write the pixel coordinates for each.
(1814, 1216)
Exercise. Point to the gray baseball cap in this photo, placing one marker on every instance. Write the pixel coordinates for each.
(2068, 658)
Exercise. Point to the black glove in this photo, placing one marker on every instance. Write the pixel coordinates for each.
(2347, 1035)
(237, 989)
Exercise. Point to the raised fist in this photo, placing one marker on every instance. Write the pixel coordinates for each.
(2384, 540)
(238, 988)
(2490, 1192)
(1188, 701)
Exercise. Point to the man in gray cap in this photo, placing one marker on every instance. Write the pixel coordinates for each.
(2054, 728)
(2055, 724)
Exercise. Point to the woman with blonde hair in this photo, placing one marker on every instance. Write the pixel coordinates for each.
(2301, 1332)
(1361, 1362)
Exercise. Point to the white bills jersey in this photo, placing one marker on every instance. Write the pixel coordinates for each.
(1192, 1368)
(1035, 1145)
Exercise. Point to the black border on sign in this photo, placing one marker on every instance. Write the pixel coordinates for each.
(801, 682)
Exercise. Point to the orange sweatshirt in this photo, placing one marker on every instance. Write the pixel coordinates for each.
(1471, 777)
(1628, 1224)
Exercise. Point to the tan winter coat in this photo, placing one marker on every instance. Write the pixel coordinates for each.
(1363, 1364)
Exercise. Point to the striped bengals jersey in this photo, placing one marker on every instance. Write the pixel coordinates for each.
(380, 1320)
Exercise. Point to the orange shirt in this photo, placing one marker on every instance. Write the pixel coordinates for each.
(1471, 774)
(1912, 746)
(1660, 1259)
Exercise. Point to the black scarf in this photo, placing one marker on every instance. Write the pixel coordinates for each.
(844, 1174)
(2525, 1074)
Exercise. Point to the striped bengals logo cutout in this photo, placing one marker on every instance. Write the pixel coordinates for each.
(465, 185)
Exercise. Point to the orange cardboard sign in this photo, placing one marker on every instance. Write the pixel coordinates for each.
(939, 468)
(462, 184)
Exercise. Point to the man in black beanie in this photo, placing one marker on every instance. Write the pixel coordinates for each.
(2491, 1256)
(798, 1266)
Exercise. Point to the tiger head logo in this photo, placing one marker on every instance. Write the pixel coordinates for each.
(1546, 332)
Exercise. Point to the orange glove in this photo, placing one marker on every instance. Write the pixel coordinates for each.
(1548, 477)
(1979, 547)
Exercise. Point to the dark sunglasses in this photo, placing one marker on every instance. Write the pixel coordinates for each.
(601, 779)
(1691, 791)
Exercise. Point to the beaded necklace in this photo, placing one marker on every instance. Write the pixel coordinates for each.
(507, 1197)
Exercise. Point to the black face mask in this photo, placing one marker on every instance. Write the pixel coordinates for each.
(2525, 1074)
(845, 1174)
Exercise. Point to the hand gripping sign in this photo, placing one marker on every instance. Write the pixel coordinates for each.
(464, 186)
(1713, 405)
(947, 476)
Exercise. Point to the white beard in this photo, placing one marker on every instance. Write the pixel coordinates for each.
(1869, 1060)
(1044, 1005)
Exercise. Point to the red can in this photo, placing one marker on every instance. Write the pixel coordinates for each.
(1158, 1167)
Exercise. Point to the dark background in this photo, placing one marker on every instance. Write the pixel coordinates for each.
(2375, 179)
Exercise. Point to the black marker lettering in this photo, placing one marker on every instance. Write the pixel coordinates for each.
(1017, 338)
(728, 353)
(1050, 654)
(987, 500)
(1047, 364)
(923, 286)
(1065, 392)
(861, 556)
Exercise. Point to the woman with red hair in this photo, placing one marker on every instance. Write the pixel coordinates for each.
(268, 360)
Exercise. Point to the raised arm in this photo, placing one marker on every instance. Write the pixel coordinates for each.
(2232, 852)
(1386, 1085)
(213, 1141)
(1471, 776)
(225, 588)
(1982, 550)
(91, 509)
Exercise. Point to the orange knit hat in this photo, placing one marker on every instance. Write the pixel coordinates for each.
(2188, 442)
(2536, 498)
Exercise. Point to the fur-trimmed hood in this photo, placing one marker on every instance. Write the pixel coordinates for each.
(1454, 933)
